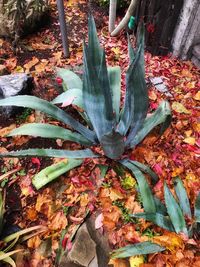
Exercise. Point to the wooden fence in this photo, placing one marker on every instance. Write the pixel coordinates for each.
(160, 17)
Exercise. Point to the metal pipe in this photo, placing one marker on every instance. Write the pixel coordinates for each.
(63, 27)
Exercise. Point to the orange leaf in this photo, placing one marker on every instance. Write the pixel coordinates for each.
(58, 221)
(171, 241)
(31, 64)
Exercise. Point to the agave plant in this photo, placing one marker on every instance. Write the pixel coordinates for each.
(8, 242)
(99, 96)
(171, 216)
(98, 101)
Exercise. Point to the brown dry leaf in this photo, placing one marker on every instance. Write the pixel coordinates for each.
(171, 241)
(34, 242)
(31, 214)
(111, 216)
(58, 221)
(118, 263)
(84, 200)
(41, 66)
(178, 107)
(115, 195)
(7, 130)
(197, 96)
(20, 140)
(44, 203)
(11, 63)
(42, 46)
(31, 64)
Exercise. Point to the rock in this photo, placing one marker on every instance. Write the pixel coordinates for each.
(84, 248)
(12, 85)
(33, 18)
(160, 86)
(88, 238)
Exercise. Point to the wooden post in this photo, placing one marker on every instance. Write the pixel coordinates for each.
(63, 27)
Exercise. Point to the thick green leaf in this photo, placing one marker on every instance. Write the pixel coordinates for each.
(113, 145)
(140, 92)
(52, 172)
(93, 44)
(54, 153)
(49, 131)
(134, 81)
(146, 169)
(131, 51)
(50, 109)
(146, 194)
(162, 114)
(197, 209)
(97, 95)
(182, 197)
(160, 207)
(156, 218)
(70, 79)
(73, 93)
(114, 76)
(103, 170)
(175, 212)
(137, 249)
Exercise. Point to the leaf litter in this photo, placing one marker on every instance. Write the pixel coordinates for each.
(66, 203)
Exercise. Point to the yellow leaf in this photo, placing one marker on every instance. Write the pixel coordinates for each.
(116, 50)
(135, 261)
(189, 140)
(197, 96)
(19, 69)
(171, 241)
(178, 107)
(191, 177)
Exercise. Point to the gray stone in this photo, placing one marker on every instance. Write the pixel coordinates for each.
(12, 85)
(88, 238)
(160, 86)
(84, 248)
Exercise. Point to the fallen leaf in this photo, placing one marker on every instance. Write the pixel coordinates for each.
(136, 261)
(34, 242)
(171, 241)
(41, 66)
(118, 263)
(99, 221)
(189, 140)
(5, 131)
(197, 96)
(178, 107)
(58, 221)
(31, 64)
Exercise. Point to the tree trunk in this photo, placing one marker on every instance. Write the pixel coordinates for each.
(63, 27)
(126, 18)
(112, 14)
